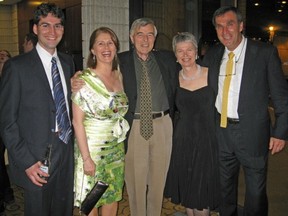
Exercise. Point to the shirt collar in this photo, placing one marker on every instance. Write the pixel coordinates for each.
(238, 49)
(44, 55)
(150, 56)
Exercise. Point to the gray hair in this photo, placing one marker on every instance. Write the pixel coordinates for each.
(142, 22)
(222, 10)
(184, 37)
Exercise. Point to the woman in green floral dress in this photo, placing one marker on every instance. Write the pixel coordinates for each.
(100, 129)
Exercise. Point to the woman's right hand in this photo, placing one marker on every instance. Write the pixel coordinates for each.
(89, 167)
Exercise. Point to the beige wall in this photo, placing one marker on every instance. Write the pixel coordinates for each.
(82, 17)
(169, 19)
(9, 29)
(111, 13)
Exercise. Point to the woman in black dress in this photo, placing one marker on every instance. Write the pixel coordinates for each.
(193, 174)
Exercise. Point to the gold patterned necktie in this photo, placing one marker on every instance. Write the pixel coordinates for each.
(227, 80)
(146, 121)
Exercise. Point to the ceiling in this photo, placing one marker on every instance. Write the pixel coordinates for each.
(9, 2)
(264, 14)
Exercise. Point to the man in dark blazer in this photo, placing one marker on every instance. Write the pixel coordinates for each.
(147, 159)
(28, 119)
(6, 192)
(246, 136)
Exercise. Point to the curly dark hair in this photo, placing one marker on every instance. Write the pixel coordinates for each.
(44, 9)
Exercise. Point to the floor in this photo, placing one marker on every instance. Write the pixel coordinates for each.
(277, 189)
(16, 209)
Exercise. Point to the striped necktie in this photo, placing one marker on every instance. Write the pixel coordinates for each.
(227, 80)
(64, 126)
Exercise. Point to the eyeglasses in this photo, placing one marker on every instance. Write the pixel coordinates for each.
(234, 68)
(47, 26)
(237, 60)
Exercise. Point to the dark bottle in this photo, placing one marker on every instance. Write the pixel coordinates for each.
(46, 162)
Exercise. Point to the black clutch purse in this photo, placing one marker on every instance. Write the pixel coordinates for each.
(93, 196)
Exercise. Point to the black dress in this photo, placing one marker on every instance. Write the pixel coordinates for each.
(192, 178)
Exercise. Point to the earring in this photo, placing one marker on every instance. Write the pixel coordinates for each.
(94, 58)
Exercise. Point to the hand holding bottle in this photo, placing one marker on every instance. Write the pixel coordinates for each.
(39, 172)
(46, 163)
(34, 172)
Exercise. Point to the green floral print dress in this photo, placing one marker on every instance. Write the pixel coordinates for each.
(106, 131)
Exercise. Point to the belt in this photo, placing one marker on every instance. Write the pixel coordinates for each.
(154, 115)
(233, 120)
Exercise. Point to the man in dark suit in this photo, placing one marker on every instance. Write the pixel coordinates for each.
(147, 158)
(30, 122)
(6, 192)
(244, 132)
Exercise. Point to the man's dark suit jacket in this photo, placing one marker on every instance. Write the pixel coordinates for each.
(27, 112)
(167, 64)
(262, 77)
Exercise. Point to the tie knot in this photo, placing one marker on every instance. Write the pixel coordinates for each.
(231, 55)
(53, 60)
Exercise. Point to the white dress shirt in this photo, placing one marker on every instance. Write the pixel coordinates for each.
(234, 89)
(46, 58)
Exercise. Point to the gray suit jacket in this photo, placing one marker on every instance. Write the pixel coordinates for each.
(262, 78)
(27, 112)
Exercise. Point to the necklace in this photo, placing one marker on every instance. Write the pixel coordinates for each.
(191, 77)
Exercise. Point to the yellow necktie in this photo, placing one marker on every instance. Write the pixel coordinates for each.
(227, 80)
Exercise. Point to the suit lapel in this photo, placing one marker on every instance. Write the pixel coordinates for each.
(214, 68)
(129, 75)
(66, 71)
(248, 74)
(38, 69)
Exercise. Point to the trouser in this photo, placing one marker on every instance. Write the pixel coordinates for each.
(5, 187)
(232, 155)
(56, 197)
(146, 166)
